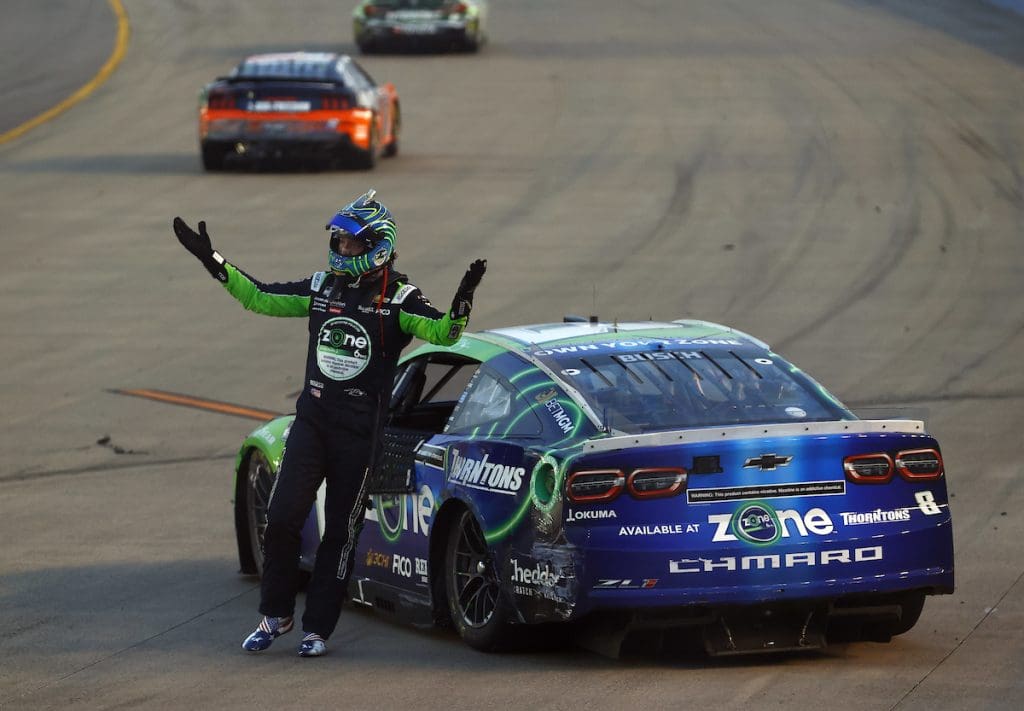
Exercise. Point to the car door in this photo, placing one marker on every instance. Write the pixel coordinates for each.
(404, 484)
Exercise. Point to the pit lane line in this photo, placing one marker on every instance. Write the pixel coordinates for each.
(120, 47)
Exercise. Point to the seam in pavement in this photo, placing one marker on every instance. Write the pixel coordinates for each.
(959, 644)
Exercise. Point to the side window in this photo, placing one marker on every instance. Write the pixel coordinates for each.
(493, 408)
(427, 390)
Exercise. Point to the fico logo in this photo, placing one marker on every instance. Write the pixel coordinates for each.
(400, 565)
(760, 524)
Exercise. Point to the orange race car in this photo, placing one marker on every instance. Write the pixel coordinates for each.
(313, 106)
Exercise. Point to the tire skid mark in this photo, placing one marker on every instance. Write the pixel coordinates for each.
(876, 271)
(110, 466)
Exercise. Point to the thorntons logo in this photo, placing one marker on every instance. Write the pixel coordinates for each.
(482, 474)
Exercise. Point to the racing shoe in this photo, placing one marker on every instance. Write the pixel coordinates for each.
(312, 645)
(270, 629)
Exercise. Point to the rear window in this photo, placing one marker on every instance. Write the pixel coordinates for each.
(287, 67)
(669, 389)
(411, 4)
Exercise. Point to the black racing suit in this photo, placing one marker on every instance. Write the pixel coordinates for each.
(356, 332)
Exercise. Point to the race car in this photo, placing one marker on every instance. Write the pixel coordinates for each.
(315, 106)
(666, 478)
(438, 24)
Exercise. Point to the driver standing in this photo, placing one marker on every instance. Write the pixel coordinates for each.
(362, 313)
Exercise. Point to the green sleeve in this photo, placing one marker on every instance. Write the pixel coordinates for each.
(419, 318)
(281, 299)
(443, 331)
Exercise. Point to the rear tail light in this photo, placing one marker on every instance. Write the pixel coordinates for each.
(375, 10)
(868, 468)
(455, 8)
(878, 468)
(918, 464)
(333, 103)
(656, 483)
(220, 100)
(595, 486)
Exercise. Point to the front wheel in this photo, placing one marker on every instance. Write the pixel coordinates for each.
(478, 610)
(259, 482)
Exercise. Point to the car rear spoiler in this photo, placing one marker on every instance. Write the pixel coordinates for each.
(718, 434)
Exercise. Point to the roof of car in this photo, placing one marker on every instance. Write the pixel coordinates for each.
(554, 338)
(546, 336)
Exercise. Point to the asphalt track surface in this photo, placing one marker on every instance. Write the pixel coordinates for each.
(839, 177)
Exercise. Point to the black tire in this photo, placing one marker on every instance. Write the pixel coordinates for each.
(912, 606)
(213, 157)
(479, 611)
(259, 482)
(842, 630)
(366, 160)
(391, 150)
(471, 43)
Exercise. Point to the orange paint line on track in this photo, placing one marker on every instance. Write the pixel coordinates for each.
(225, 408)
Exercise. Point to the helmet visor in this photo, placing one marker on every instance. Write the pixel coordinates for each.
(337, 235)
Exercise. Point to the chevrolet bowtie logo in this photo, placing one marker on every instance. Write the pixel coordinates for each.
(767, 462)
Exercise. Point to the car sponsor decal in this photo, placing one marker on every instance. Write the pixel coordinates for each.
(278, 105)
(398, 513)
(765, 491)
(857, 518)
(377, 559)
(759, 523)
(483, 474)
(343, 348)
(590, 515)
(664, 529)
(639, 342)
(431, 455)
(840, 556)
(548, 399)
(534, 579)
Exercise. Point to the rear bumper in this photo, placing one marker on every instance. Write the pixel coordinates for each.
(307, 147)
(437, 34)
(738, 574)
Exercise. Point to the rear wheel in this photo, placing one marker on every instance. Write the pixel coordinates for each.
(911, 607)
(391, 149)
(213, 157)
(366, 160)
(478, 610)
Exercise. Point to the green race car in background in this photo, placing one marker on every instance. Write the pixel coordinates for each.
(420, 24)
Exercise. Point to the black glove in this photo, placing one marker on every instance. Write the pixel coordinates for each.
(198, 243)
(462, 304)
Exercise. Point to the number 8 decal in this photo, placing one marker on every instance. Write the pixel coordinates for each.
(926, 502)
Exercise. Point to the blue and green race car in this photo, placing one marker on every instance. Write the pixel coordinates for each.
(672, 479)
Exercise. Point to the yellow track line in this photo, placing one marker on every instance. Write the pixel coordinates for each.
(120, 46)
(225, 408)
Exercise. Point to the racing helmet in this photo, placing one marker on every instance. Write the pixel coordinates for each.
(363, 219)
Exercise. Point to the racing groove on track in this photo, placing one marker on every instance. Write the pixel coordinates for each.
(838, 177)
